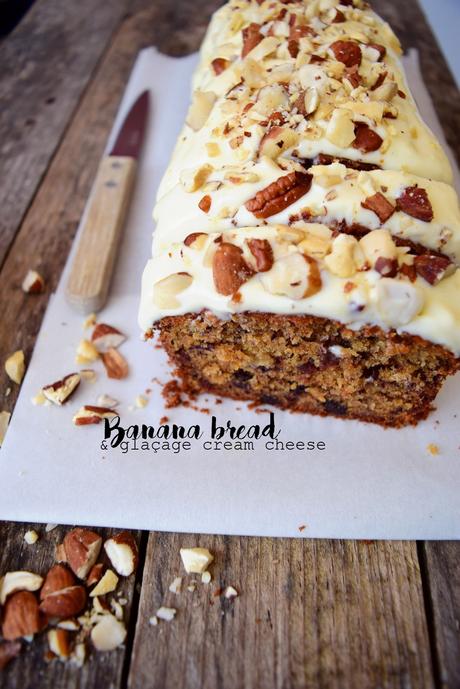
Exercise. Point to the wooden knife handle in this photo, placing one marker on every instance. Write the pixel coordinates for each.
(93, 264)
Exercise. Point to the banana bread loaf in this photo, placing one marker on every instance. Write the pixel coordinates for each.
(308, 234)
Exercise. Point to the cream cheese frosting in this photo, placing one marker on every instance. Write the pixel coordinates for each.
(250, 218)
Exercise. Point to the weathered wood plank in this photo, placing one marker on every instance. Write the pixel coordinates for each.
(332, 614)
(30, 670)
(442, 560)
(46, 63)
(46, 234)
(410, 25)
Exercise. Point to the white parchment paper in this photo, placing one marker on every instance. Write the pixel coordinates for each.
(366, 483)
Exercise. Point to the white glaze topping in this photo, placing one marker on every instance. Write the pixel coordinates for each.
(224, 158)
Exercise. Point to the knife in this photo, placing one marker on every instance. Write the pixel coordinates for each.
(105, 213)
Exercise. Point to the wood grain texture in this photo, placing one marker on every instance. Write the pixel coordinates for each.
(332, 614)
(30, 670)
(45, 236)
(410, 25)
(441, 562)
(46, 64)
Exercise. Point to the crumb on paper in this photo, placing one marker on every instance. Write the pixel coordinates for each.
(433, 449)
(163, 420)
(39, 400)
(141, 401)
(107, 401)
(171, 394)
(86, 352)
(302, 527)
(88, 374)
(89, 321)
(31, 537)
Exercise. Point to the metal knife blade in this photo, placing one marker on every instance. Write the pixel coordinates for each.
(131, 134)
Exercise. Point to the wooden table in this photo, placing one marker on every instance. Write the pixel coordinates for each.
(312, 613)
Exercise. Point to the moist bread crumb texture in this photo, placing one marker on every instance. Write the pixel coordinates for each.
(308, 364)
(307, 246)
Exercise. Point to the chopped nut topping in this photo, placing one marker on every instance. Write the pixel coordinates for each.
(279, 194)
(263, 253)
(251, 38)
(205, 204)
(380, 205)
(415, 202)
(229, 269)
(347, 52)
(219, 65)
(295, 276)
(366, 139)
(432, 268)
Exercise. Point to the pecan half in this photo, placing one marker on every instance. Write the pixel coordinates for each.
(379, 204)
(415, 202)
(263, 253)
(431, 268)
(251, 38)
(347, 52)
(366, 139)
(219, 65)
(229, 269)
(279, 194)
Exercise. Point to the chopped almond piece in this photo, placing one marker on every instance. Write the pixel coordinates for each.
(115, 364)
(4, 421)
(122, 552)
(15, 366)
(90, 414)
(108, 634)
(106, 337)
(107, 584)
(33, 283)
(196, 560)
(86, 352)
(60, 391)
